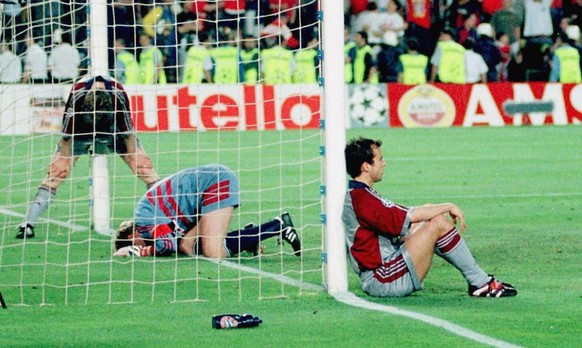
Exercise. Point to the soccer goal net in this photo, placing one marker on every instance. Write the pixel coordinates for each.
(208, 82)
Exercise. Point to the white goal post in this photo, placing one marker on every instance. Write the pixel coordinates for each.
(334, 116)
(100, 195)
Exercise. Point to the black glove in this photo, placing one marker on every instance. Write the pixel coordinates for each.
(232, 321)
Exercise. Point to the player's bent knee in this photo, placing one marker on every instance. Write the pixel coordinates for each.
(214, 254)
(213, 251)
(441, 223)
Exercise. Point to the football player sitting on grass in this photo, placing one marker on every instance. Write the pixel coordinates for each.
(391, 246)
(189, 212)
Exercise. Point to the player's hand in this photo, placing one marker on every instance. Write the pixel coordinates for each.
(60, 167)
(144, 163)
(130, 250)
(458, 217)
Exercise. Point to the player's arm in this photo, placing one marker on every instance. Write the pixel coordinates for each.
(429, 211)
(61, 164)
(135, 157)
(165, 238)
(63, 160)
(138, 161)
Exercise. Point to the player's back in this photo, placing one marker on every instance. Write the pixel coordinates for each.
(186, 194)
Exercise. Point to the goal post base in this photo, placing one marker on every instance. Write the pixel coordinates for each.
(100, 197)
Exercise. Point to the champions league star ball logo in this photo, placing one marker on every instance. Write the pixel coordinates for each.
(368, 105)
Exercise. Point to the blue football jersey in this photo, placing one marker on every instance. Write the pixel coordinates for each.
(183, 197)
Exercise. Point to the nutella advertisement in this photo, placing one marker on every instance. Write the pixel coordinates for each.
(176, 108)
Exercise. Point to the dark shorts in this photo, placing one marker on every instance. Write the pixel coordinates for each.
(99, 145)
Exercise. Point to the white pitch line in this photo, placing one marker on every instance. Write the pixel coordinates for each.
(281, 278)
(72, 227)
(354, 301)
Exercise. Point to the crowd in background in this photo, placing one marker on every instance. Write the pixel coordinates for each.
(164, 41)
(494, 40)
(276, 41)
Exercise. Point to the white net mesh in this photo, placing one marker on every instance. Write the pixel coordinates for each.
(223, 82)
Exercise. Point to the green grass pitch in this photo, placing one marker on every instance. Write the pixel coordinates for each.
(520, 189)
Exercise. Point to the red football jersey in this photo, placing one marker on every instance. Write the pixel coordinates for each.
(372, 223)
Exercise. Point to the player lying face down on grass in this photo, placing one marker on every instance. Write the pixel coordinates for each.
(97, 119)
(391, 246)
(189, 213)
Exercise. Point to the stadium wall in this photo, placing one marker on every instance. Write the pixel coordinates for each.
(31, 109)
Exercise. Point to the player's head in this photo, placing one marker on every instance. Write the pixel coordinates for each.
(97, 107)
(359, 151)
(98, 99)
(126, 235)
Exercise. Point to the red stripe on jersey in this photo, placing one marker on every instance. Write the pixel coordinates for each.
(449, 241)
(150, 197)
(161, 203)
(391, 270)
(174, 204)
(216, 193)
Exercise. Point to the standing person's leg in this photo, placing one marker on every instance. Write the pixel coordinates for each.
(59, 170)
